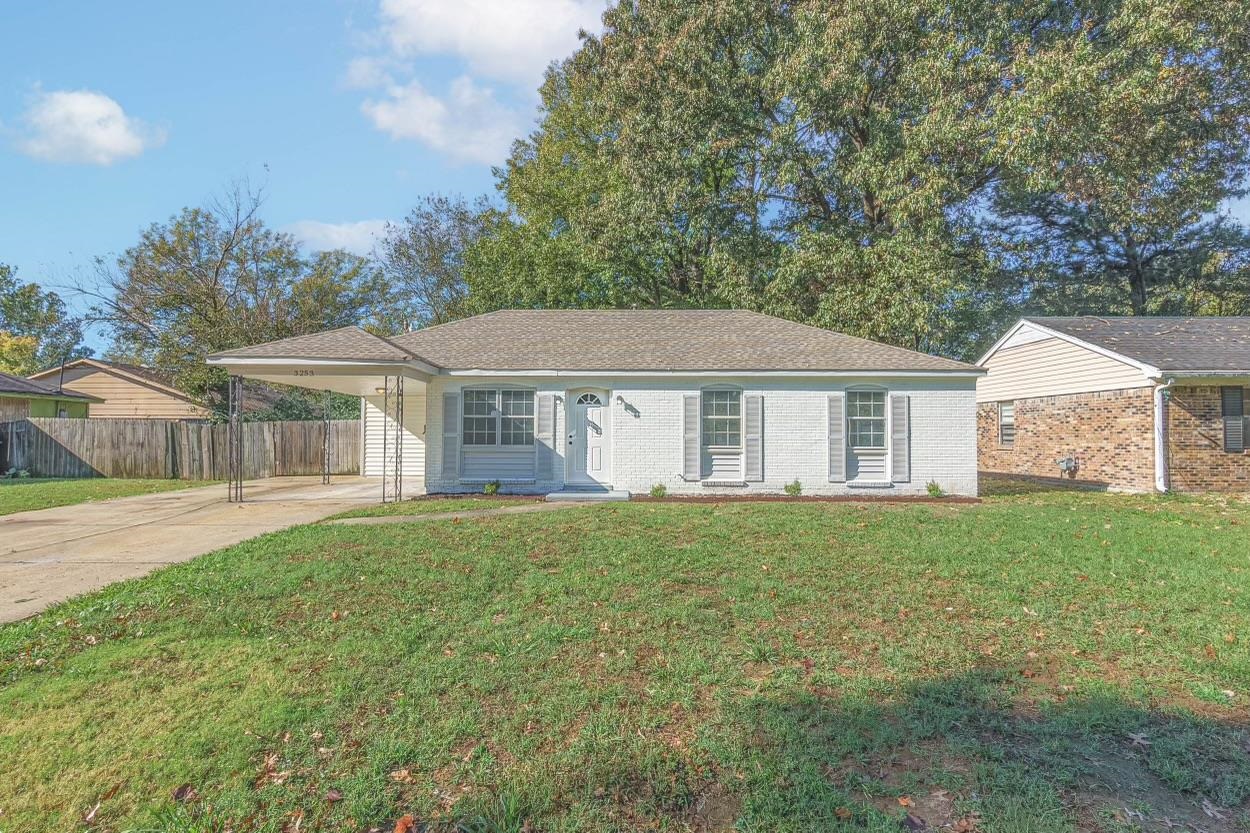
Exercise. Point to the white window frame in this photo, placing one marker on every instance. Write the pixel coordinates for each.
(1003, 441)
(704, 417)
(852, 419)
(497, 416)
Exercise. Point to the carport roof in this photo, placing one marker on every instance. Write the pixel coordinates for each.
(343, 344)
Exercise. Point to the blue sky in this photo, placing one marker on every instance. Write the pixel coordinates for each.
(117, 115)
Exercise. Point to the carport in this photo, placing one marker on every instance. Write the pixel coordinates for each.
(348, 360)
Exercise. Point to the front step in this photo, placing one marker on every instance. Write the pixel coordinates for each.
(598, 496)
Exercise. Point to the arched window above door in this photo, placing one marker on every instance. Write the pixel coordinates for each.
(589, 399)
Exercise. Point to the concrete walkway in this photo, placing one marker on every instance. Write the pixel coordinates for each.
(50, 555)
(519, 509)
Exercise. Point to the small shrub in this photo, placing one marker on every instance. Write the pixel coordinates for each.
(491, 488)
(659, 490)
(794, 489)
(935, 490)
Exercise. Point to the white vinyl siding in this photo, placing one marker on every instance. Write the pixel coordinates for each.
(1051, 367)
(372, 422)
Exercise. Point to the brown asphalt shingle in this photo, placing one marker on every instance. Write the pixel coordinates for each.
(348, 343)
(1173, 345)
(653, 340)
(17, 386)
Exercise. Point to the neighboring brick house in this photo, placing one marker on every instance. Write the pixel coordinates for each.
(1131, 404)
(618, 401)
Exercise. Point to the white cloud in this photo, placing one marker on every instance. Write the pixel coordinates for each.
(469, 124)
(357, 237)
(83, 126)
(508, 40)
(367, 72)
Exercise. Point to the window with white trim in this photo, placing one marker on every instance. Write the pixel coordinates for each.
(722, 419)
(1006, 423)
(499, 417)
(865, 418)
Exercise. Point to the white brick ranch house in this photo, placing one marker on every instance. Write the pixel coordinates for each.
(700, 401)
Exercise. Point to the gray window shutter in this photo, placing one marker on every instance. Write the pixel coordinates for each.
(545, 435)
(900, 445)
(1234, 423)
(690, 452)
(451, 435)
(753, 437)
(837, 438)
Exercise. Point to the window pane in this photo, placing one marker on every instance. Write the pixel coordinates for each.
(722, 418)
(516, 421)
(1006, 423)
(865, 411)
(479, 417)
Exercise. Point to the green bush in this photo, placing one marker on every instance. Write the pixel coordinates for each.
(659, 490)
(935, 490)
(491, 488)
(794, 489)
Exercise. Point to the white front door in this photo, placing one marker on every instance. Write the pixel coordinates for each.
(588, 440)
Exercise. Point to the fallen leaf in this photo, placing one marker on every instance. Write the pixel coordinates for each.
(405, 824)
(90, 816)
(185, 793)
(401, 776)
(1209, 651)
(1138, 740)
(904, 801)
(333, 795)
(842, 813)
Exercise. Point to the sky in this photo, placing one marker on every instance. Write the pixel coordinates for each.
(346, 112)
(117, 115)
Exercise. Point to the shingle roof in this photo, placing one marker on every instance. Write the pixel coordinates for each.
(17, 386)
(1174, 345)
(347, 343)
(654, 340)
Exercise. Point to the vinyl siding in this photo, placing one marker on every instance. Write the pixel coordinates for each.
(1053, 367)
(372, 422)
(125, 398)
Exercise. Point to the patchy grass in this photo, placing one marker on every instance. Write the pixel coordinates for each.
(435, 504)
(23, 495)
(1041, 663)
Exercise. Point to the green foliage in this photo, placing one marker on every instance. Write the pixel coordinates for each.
(794, 489)
(659, 490)
(491, 488)
(36, 330)
(423, 258)
(934, 489)
(877, 168)
(215, 277)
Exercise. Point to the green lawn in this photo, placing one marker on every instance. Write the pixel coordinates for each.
(26, 494)
(1042, 662)
(434, 505)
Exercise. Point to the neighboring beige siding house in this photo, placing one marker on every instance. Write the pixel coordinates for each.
(125, 390)
(1124, 403)
(618, 401)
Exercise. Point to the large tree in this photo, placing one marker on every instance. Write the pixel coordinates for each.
(422, 257)
(36, 329)
(835, 161)
(216, 277)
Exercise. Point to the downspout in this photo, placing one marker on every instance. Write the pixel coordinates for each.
(1161, 448)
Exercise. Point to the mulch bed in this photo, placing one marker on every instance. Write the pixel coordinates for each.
(804, 499)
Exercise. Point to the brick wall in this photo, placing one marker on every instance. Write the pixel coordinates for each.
(1197, 461)
(1110, 433)
(645, 426)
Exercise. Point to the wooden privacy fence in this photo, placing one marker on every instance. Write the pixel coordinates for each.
(161, 448)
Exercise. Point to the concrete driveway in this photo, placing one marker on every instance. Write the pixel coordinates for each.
(49, 555)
